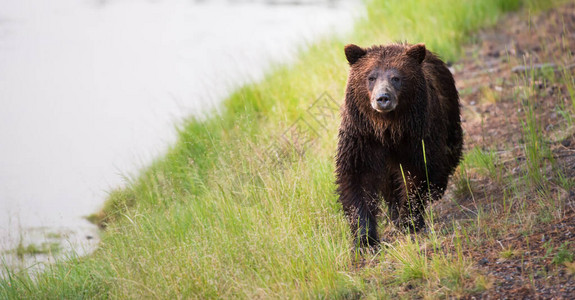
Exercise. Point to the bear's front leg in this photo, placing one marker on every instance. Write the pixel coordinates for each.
(413, 197)
(417, 193)
(361, 206)
(359, 173)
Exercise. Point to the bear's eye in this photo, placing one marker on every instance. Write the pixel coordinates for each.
(371, 78)
(395, 79)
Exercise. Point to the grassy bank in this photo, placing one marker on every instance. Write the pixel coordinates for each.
(243, 205)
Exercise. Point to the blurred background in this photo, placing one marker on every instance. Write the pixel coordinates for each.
(91, 90)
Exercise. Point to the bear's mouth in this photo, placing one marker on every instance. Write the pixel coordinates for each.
(384, 105)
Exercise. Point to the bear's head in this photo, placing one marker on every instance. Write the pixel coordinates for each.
(384, 79)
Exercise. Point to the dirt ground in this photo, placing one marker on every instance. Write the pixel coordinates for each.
(501, 64)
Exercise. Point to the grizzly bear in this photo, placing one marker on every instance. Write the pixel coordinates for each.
(400, 136)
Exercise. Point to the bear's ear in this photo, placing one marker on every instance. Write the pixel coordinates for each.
(416, 52)
(353, 53)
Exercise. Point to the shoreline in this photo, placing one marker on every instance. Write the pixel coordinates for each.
(118, 111)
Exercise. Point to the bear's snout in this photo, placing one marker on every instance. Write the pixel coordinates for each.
(384, 102)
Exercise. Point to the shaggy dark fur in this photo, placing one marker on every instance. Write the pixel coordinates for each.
(397, 96)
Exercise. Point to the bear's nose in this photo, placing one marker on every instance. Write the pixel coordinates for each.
(385, 97)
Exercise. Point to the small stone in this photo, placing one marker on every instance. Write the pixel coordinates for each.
(495, 54)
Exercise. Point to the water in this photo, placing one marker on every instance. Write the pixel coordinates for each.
(90, 91)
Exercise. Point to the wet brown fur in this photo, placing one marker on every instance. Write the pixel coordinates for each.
(373, 147)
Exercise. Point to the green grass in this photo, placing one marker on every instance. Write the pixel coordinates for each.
(221, 216)
(484, 162)
(564, 254)
(34, 249)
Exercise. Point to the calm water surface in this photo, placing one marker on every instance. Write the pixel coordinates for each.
(90, 91)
